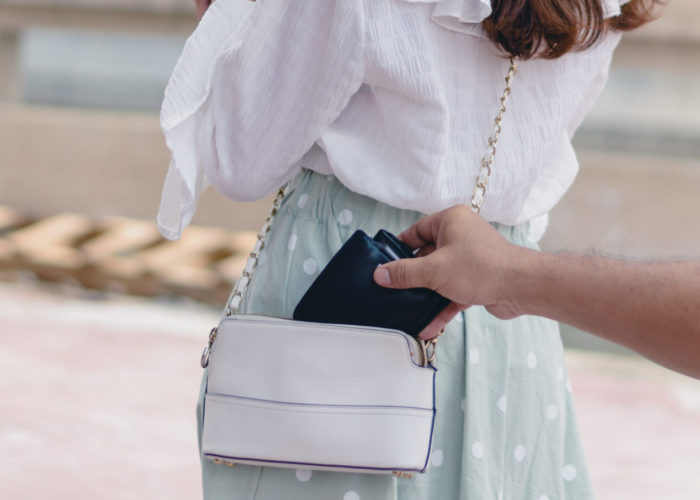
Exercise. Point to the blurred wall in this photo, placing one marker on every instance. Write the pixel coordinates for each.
(81, 82)
(80, 85)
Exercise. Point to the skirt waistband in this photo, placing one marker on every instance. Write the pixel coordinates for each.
(325, 200)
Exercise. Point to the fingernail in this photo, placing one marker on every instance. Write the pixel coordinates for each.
(382, 277)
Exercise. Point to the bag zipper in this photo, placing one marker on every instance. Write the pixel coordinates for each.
(419, 346)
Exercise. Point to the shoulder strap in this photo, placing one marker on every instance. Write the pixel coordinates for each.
(487, 161)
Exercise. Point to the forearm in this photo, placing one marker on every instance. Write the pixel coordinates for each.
(652, 308)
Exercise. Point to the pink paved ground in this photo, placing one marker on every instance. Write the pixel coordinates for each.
(98, 403)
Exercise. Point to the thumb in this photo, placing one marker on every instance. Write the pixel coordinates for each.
(404, 273)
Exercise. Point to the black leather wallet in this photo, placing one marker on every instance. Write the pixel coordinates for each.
(345, 292)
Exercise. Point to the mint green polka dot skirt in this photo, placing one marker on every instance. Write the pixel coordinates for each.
(505, 425)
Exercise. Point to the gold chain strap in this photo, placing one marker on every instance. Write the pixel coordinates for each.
(234, 301)
(487, 161)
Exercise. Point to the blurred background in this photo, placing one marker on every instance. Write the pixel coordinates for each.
(102, 321)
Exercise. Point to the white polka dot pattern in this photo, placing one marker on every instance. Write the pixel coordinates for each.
(473, 355)
(303, 475)
(503, 403)
(552, 412)
(478, 449)
(351, 495)
(345, 217)
(292, 243)
(569, 472)
(436, 458)
(310, 266)
(531, 361)
(303, 199)
(519, 453)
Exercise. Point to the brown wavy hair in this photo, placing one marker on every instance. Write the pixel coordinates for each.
(551, 28)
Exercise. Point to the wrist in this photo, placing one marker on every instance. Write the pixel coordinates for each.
(523, 280)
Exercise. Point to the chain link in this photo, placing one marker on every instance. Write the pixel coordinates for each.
(234, 301)
(482, 179)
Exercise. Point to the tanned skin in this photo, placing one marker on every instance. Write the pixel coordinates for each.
(652, 308)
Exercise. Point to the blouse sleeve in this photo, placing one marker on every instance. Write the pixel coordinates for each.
(596, 83)
(603, 51)
(283, 74)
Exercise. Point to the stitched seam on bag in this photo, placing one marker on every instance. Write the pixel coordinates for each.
(383, 414)
(328, 467)
(222, 397)
(291, 408)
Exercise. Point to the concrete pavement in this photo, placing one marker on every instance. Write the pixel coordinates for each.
(99, 392)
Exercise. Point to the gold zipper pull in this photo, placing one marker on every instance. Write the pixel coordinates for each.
(423, 352)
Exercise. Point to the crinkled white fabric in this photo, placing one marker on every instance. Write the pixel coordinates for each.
(389, 96)
(463, 16)
(185, 102)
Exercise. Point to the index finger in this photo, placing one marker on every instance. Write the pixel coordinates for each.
(421, 233)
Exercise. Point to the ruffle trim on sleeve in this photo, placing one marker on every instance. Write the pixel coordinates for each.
(466, 16)
(184, 105)
(462, 16)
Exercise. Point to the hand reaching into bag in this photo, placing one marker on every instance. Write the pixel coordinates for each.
(461, 257)
(650, 307)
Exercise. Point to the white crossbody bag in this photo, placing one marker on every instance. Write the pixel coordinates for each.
(294, 394)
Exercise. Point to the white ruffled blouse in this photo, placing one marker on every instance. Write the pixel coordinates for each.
(394, 97)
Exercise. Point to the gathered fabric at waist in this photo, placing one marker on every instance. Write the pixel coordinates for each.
(323, 199)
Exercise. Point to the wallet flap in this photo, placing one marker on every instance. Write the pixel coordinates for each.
(394, 246)
(345, 291)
